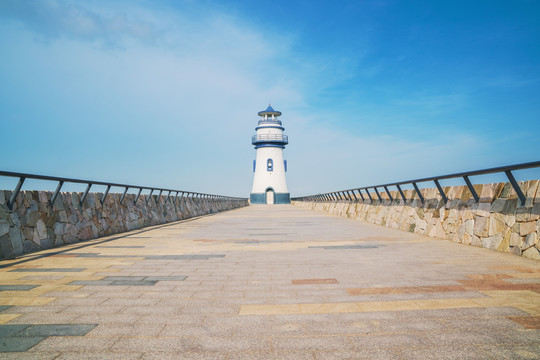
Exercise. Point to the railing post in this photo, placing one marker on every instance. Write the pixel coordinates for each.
(138, 194)
(56, 192)
(86, 193)
(378, 195)
(441, 191)
(418, 192)
(124, 195)
(149, 196)
(105, 195)
(388, 193)
(368, 194)
(402, 194)
(13, 196)
(515, 186)
(471, 188)
(361, 195)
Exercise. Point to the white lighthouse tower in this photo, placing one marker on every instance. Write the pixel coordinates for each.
(269, 183)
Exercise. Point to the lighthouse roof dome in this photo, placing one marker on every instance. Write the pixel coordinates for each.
(269, 111)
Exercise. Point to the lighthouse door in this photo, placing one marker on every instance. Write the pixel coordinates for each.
(269, 196)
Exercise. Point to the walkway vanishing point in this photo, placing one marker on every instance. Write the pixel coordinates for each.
(269, 282)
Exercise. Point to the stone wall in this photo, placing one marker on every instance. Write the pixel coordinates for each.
(497, 222)
(34, 224)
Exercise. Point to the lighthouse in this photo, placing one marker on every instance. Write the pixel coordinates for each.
(269, 182)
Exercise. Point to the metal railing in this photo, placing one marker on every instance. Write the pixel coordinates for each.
(270, 121)
(351, 196)
(22, 177)
(274, 138)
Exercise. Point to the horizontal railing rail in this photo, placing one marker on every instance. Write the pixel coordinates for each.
(350, 195)
(61, 180)
(270, 138)
(269, 121)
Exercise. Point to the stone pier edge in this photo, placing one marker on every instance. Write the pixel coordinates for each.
(35, 225)
(496, 222)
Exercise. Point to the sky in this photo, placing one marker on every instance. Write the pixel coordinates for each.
(166, 93)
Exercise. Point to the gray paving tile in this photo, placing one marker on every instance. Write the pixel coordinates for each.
(42, 355)
(165, 278)
(18, 344)
(134, 282)
(43, 330)
(90, 282)
(48, 270)
(75, 344)
(7, 330)
(17, 287)
(121, 278)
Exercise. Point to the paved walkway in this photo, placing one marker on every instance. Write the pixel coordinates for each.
(269, 282)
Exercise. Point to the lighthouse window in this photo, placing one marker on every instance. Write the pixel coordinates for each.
(269, 165)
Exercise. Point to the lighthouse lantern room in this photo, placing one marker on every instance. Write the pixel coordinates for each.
(269, 183)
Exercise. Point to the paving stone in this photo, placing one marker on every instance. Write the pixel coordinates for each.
(121, 278)
(48, 270)
(189, 355)
(17, 287)
(8, 330)
(165, 278)
(56, 330)
(108, 355)
(345, 247)
(91, 282)
(444, 353)
(75, 344)
(42, 355)
(163, 344)
(120, 247)
(134, 282)
(18, 344)
(364, 354)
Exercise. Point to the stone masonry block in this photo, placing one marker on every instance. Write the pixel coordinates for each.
(530, 240)
(16, 239)
(527, 227)
(492, 242)
(481, 226)
(515, 239)
(483, 209)
(4, 227)
(496, 224)
(498, 205)
(532, 253)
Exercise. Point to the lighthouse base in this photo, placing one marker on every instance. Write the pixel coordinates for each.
(263, 198)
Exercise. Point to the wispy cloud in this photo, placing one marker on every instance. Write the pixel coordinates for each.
(59, 19)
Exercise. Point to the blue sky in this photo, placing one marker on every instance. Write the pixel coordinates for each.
(165, 93)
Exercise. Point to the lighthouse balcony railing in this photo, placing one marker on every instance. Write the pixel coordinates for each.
(270, 138)
(270, 122)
